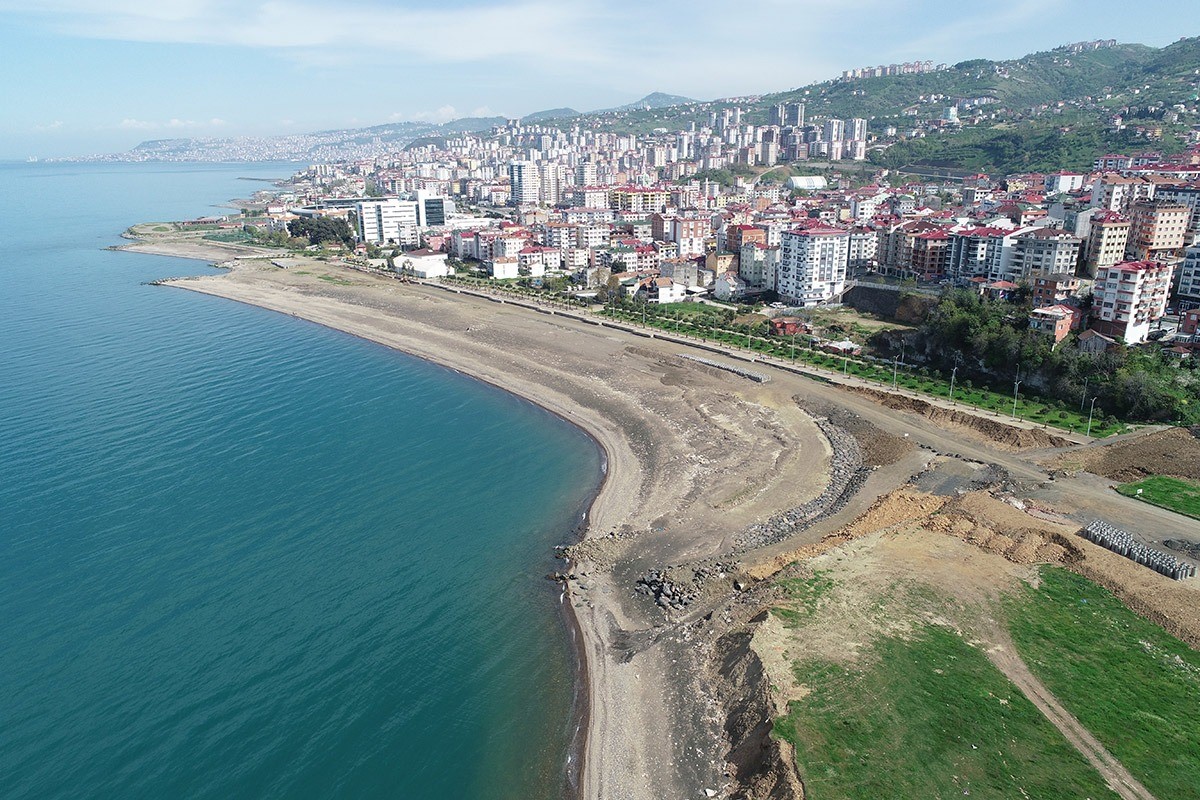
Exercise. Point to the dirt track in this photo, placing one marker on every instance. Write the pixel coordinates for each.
(1119, 779)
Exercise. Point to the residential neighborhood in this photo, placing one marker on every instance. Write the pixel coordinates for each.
(1116, 250)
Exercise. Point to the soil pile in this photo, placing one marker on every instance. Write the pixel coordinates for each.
(1175, 451)
(994, 432)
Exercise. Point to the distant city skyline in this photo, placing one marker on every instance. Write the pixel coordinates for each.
(92, 77)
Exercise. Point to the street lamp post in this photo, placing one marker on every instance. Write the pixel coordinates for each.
(793, 347)
(1083, 399)
(1090, 412)
(894, 371)
(1016, 386)
(953, 375)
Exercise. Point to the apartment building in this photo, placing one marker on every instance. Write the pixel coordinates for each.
(1157, 231)
(1051, 290)
(757, 264)
(930, 258)
(738, 235)
(639, 199)
(690, 233)
(1185, 194)
(1108, 234)
(388, 221)
(1118, 193)
(1042, 251)
(1189, 279)
(812, 266)
(1056, 321)
(525, 183)
(1129, 297)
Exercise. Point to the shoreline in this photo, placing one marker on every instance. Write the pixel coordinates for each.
(591, 643)
(582, 690)
(606, 381)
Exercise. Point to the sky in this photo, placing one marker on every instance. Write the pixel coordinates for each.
(97, 76)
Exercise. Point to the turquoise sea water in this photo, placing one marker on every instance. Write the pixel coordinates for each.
(244, 556)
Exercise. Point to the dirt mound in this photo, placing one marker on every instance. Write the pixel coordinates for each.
(763, 766)
(996, 433)
(1175, 451)
(997, 527)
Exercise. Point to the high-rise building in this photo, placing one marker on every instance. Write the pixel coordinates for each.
(858, 129)
(690, 234)
(794, 115)
(835, 130)
(812, 265)
(1107, 236)
(1043, 251)
(585, 174)
(1189, 279)
(388, 221)
(525, 183)
(1128, 297)
(1157, 230)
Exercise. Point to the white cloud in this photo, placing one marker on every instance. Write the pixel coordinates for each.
(517, 28)
(132, 124)
(137, 124)
(52, 126)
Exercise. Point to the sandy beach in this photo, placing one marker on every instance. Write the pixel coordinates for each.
(713, 482)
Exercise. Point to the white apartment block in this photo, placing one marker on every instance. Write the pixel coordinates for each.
(1129, 297)
(525, 183)
(592, 236)
(1189, 279)
(757, 265)
(1118, 193)
(388, 221)
(812, 266)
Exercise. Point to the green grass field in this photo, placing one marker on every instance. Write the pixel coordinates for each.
(928, 717)
(1176, 494)
(1134, 686)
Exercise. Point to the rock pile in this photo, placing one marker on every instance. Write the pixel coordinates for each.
(671, 592)
(1122, 542)
(666, 593)
(757, 377)
(846, 476)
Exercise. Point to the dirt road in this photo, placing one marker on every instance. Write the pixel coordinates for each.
(1005, 657)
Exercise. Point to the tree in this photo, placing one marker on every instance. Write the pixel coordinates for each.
(321, 230)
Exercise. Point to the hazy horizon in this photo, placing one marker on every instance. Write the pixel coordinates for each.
(103, 77)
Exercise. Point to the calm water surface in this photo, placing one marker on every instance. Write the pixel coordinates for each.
(244, 556)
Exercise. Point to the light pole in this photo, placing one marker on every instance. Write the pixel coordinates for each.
(894, 372)
(793, 347)
(1016, 385)
(953, 375)
(1091, 410)
(1083, 399)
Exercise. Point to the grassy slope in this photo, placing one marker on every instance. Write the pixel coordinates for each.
(1134, 686)
(1180, 496)
(929, 718)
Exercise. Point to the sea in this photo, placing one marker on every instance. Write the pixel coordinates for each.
(246, 556)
